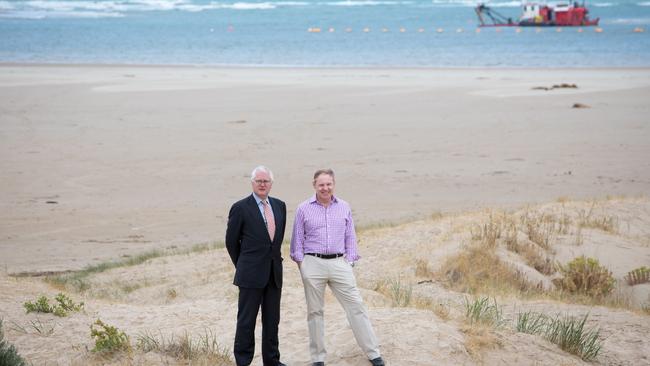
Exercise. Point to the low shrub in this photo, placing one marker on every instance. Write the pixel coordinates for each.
(62, 308)
(8, 354)
(585, 276)
(108, 339)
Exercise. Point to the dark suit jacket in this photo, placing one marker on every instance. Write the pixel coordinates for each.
(249, 244)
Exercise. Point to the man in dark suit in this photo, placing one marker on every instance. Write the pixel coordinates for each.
(255, 232)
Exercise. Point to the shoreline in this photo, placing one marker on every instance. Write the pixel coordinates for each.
(322, 67)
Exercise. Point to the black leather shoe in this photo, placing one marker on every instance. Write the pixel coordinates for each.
(319, 363)
(377, 362)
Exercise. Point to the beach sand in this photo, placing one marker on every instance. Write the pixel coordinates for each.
(103, 162)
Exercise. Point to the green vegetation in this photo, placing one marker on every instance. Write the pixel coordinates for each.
(531, 322)
(8, 354)
(567, 332)
(62, 308)
(108, 339)
(481, 311)
(585, 276)
(78, 281)
(399, 292)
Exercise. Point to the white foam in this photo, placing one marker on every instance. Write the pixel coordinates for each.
(645, 3)
(509, 4)
(249, 6)
(603, 5)
(473, 3)
(366, 3)
(25, 14)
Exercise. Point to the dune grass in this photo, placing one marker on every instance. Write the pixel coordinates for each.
(568, 332)
(399, 291)
(478, 269)
(482, 311)
(204, 349)
(78, 281)
(483, 318)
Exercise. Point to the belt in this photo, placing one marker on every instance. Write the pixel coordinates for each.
(325, 256)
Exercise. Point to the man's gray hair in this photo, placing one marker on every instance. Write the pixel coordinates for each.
(261, 168)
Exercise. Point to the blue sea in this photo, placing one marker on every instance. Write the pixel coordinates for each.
(313, 33)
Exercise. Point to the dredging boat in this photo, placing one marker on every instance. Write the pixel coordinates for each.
(562, 14)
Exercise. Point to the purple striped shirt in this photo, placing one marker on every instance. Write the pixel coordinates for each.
(324, 230)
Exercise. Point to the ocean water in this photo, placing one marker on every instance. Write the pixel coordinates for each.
(363, 33)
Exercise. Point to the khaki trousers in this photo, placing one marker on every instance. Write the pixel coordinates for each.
(337, 273)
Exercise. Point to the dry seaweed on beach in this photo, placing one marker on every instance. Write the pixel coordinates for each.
(579, 106)
(556, 86)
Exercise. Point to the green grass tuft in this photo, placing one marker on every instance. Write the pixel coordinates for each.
(481, 311)
(567, 332)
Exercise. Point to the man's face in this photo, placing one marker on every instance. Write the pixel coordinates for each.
(262, 184)
(324, 186)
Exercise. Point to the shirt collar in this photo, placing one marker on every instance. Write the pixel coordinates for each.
(258, 199)
(314, 200)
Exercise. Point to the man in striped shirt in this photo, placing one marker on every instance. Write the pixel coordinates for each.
(324, 245)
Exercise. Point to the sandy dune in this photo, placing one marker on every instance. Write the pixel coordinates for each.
(204, 300)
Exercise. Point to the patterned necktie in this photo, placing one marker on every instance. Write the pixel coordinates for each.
(270, 221)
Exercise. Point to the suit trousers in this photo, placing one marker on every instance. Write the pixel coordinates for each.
(317, 273)
(250, 302)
